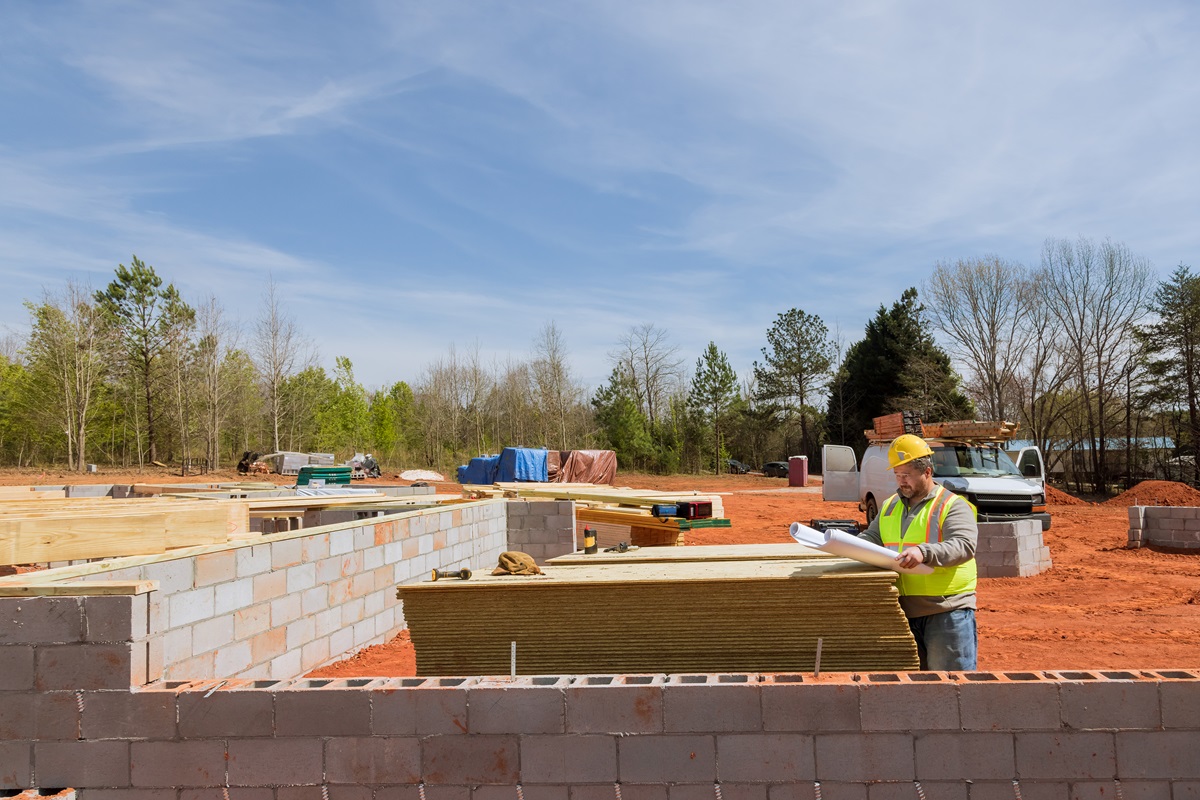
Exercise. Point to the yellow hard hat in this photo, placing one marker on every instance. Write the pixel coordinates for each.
(907, 448)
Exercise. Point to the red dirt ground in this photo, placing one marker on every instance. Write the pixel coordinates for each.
(1100, 607)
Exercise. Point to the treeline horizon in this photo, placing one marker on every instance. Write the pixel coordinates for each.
(1085, 347)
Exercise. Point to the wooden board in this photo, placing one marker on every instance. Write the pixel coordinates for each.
(76, 536)
(27, 493)
(80, 589)
(708, 552)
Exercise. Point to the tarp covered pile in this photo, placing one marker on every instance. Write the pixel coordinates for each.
(540, 466)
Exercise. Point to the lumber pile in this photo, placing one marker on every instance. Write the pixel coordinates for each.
(890, 426)
(710, 615)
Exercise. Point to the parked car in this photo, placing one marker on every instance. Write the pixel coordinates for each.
(775, 469)
(735, 467)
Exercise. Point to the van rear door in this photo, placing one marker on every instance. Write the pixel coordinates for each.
(839, 474)
(1031, 465)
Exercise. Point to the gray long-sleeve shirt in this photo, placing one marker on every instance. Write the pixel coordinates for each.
(960, 536)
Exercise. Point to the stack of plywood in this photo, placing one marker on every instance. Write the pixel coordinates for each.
(663, 616)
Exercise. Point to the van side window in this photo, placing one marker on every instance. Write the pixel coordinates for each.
(945, 464)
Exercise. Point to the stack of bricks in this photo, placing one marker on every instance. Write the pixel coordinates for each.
(542, 528)
(1011, 549)
(1174, 527)
(985, 736)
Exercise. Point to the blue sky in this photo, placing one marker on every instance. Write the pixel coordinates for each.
(416, 174)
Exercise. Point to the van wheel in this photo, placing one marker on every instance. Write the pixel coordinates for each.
(872, 508)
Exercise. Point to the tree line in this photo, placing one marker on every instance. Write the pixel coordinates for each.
(1086, 351)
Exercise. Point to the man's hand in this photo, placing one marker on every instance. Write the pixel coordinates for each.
(910, 557)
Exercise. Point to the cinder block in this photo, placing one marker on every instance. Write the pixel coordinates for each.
(1110, 704)
(212, 634)
(1051, 756)
(187, 608)
(286, 553)
(253, 560)
(269, 586)
(16, 763)
(830, 790)
(222, 793)
(368, 760)
(232, 660)
(339, 792)
(251, 621)
(629, 791)
(729, 791)
(286, 666)
(167, 764)
(314, 601)
(909, 707)
(769, 758)
(1004, 706)
(865, 757)
(269, 645)
(468, 760)
(1030, 790)
(300, 632)
(285, 609)
(811, 707)
(1129, 790)
(1180, 704)
(1185, 790)
(667, 759)
(418, 711)
(83, 666)
(524, 709)
(314, 548)
(301, 577)
(322, 712)
(128, 715)
(614, 709)
(82, 763)
(712, 708)
(16, 668)
(568, 759)
(225, 713)
(116, 619)
(930, 790)
(213, 568)
(314, 654)
(974, 756)
(233, 596)
(131, 794)
(1158, 754)
(40, 620)
(268, 762)
(529, 792)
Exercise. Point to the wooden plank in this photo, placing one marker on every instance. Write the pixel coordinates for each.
(26, 493)
(708, 552)
(70, 537)
(614, 517)
(80, 589)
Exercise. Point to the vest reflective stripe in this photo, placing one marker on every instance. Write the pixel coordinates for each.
(923, 528)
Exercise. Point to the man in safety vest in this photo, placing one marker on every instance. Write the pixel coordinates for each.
(928, 524)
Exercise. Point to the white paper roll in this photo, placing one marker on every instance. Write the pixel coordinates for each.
(839, 543)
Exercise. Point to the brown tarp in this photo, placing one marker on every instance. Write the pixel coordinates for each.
(554, 459)
(585, 466)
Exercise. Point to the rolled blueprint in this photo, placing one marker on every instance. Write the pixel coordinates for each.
(842, 544)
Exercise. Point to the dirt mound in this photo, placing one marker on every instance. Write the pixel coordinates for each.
(1058, 497)
(1157, 493)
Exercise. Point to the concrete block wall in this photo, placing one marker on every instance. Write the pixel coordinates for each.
(1176, 527)
(974, 736)
(281, 605)
(542, 528)
(1011, 549)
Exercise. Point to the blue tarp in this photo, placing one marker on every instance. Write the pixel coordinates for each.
(513, 464)
(480, 472)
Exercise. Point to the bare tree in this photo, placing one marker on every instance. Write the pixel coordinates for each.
(280, 351)
(68, 351)
(217, 337)
(1100, 294)
(648, 357)
(555, 390)
(980, 307)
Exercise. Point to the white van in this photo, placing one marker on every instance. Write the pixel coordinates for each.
(1000, 489)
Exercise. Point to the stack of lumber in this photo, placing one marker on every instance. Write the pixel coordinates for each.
(972, 430)
(890, 426)
(663, 617)
(43, 531)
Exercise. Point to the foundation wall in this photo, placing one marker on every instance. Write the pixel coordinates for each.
(752, 737)
(1164, 526)
(279, 606)
(1011, 549)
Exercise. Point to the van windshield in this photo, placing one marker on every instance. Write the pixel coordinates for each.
(954, 460)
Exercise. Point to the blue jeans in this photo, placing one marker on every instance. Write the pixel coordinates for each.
(946, 642)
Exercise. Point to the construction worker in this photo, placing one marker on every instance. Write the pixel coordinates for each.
(928, 524)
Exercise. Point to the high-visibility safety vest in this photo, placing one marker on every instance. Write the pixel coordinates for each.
(924, 528)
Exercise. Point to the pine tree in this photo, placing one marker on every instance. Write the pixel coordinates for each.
(795, 366)
(713, 394)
